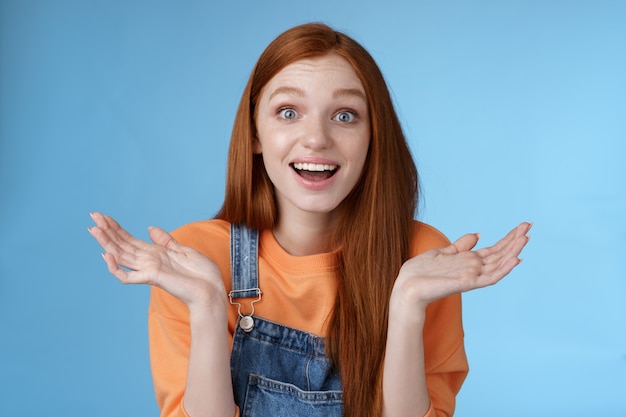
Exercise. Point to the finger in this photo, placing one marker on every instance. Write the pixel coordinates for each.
(513, 242)
(103, 239)
(495, 256)
(113, 267)
(493, 272)
(464, 243)
(123, 254)
(117, 232)
(162, 238)
(106, 222)
(122, 275)
(498, 265)
(496, 273)
(112, 237)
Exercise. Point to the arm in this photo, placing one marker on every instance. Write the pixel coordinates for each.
(424, 279)
(194, 280)
(209, 388)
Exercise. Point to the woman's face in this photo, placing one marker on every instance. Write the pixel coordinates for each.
(313, 131)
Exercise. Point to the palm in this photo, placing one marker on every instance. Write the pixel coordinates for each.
(441, 272)
(181, 271)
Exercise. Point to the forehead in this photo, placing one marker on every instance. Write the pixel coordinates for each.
(328, 69)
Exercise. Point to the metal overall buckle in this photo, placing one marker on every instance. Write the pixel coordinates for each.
(246, 322)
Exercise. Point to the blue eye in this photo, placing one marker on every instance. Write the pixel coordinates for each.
(288, 114)
(345, 117)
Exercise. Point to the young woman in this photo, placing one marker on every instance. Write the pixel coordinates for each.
(313, 292)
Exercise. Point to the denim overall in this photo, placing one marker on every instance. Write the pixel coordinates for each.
(276, 370)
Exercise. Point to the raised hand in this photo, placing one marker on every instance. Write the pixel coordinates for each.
(183, 272)
(457, 268)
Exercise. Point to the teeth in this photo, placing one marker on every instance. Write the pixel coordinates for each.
(314, 167)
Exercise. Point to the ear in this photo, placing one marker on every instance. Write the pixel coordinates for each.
(256, 146)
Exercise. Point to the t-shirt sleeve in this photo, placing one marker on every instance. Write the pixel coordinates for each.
(170, 340)
(444, 350)
(444, 354)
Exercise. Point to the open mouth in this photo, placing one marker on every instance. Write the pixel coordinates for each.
(315, 172)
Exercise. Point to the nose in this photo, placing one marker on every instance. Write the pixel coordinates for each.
(316, 133)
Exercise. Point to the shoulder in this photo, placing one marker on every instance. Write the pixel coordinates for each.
(203, 228)
(425, 237)
(203, 234)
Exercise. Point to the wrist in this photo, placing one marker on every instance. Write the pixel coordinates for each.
(213, 309)
(406, 309)
(408, 292)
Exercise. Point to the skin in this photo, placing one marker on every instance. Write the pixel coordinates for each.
(313, 110)
(195, 280)
(423, 279)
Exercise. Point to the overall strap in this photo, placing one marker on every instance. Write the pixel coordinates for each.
(244, 249)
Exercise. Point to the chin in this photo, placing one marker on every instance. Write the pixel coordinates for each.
(330, 208)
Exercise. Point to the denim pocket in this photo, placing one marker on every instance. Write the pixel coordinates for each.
(267, 397)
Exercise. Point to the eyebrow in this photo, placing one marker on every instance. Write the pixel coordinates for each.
(350, 92)
(342, 92)
(287, 90)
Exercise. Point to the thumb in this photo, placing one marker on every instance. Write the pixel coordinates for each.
(462, 244)
(161, 238)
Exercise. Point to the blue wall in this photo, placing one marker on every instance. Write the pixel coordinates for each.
(516, 110)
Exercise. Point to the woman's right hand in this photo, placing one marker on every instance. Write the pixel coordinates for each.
(181, 271)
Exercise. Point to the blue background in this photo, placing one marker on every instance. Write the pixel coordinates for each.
(515, 110)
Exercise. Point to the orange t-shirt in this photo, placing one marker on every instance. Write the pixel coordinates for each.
(299, 292)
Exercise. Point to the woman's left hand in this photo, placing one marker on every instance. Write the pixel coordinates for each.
(457, 268)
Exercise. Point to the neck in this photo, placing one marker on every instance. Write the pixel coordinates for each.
(306, 234)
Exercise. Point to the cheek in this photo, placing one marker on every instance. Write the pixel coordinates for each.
(362, 148)
(362, 156)
(265, 134)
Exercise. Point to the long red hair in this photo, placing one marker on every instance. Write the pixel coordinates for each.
(374, 232)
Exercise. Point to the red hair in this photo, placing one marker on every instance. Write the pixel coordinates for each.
(374, 232)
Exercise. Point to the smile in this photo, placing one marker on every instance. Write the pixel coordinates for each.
(315, 171)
